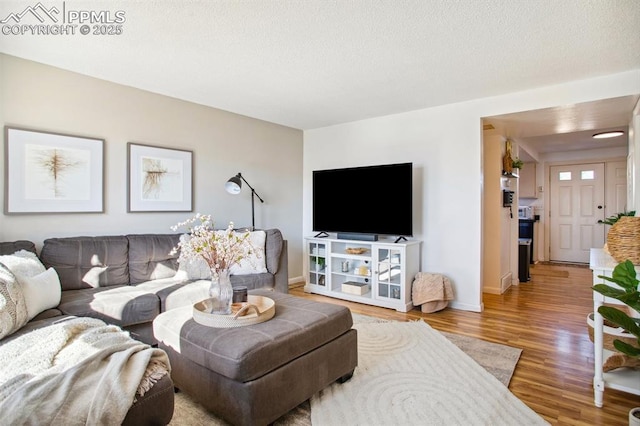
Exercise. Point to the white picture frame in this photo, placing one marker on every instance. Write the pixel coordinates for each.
(159, 179)
(49, 172)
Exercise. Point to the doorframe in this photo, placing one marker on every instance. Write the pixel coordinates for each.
(545, 219)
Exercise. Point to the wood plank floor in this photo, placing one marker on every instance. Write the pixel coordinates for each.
(545, 317)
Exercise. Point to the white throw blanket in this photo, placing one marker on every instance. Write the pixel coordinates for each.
(78, 371)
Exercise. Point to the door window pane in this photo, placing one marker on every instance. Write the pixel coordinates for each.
(587, 175)
(564, 176)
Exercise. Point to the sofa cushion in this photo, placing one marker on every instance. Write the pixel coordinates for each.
(10, 247)
(273, 249)
(174, 293)
(86, 262)
(150, 258)
(255, 263)
(119, 305)
(253, 281)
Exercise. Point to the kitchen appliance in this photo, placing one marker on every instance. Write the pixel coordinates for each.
(525, 212)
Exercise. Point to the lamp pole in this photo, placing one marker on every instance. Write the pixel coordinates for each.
(253, 193)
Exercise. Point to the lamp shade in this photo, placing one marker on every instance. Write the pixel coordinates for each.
(233, 185)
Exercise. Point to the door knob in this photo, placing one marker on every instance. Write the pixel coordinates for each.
(600, 207)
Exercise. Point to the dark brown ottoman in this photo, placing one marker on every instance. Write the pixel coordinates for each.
(255, 374)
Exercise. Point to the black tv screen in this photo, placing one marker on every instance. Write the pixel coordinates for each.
(364, 200)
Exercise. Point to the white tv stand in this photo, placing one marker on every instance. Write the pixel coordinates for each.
(382, 270)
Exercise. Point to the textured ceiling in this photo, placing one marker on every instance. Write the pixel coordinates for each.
(567, 128)
(314, 63)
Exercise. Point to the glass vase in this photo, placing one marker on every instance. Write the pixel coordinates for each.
(221, 292)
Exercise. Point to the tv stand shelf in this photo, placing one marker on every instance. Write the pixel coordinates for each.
(377, 273)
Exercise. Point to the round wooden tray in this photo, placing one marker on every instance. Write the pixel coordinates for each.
(257, 309)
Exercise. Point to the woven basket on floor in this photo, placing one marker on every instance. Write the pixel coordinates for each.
(623, 240)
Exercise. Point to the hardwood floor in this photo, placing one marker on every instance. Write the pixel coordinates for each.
(545, 317)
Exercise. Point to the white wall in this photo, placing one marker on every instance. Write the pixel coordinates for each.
(45, 98)
(633, 161)
(444, 143)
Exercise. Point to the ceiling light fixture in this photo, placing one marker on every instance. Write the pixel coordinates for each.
(605, 135)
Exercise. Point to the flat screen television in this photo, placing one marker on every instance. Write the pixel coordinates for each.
(372, 200)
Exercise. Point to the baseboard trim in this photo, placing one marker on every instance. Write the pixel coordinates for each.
(296, 280)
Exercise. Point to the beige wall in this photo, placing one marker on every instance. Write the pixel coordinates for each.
(492, 238)
(45, 98)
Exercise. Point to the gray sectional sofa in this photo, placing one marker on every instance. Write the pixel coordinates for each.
(128, 280)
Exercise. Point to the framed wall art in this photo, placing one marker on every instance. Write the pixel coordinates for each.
(159, 179)
(52, 173)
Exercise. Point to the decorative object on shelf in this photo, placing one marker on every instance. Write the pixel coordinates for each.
(623, 239)
(257, 309)
(363, 270)
(395, 293)
(624, 275)
(507, 160)
(52, 173)
(517, 163)
(356, 250)
(159, 179)
(353, 287)
(234, 185)
(220, 249)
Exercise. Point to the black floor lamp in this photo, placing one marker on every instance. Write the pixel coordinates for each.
(234, 185)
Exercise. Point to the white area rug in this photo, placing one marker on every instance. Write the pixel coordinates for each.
(408, 373)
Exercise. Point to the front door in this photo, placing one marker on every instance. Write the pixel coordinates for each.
(576, 204)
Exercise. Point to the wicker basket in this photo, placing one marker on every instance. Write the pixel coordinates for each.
(623, 240)
(611, 333)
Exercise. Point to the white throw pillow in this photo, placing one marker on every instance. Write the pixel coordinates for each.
(194, 269)
(13, 310)
(197, 269)
(41, 292)
(255, 263)
(23, 263)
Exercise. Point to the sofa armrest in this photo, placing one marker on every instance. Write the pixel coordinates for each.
(281, 278)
